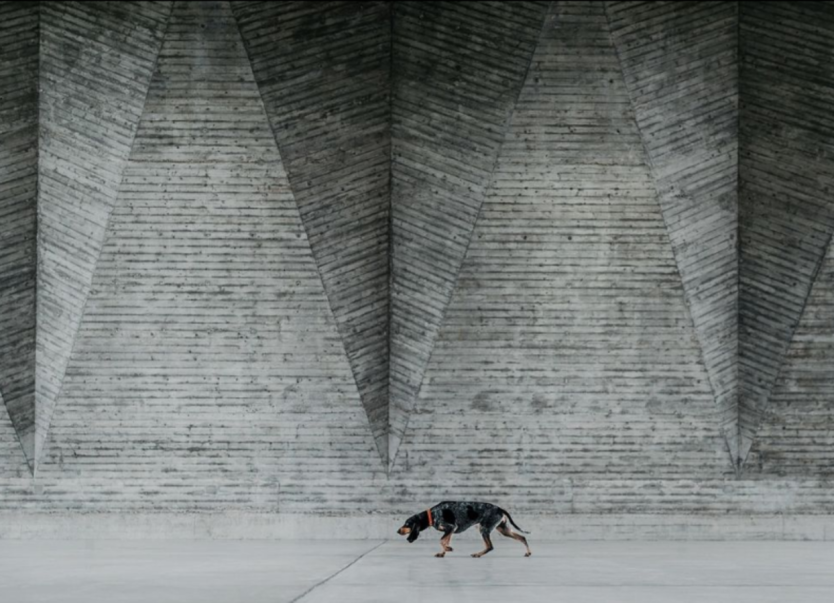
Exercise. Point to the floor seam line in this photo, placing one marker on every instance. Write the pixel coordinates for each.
(326, 580)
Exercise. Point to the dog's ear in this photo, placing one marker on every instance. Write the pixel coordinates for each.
(413, 534)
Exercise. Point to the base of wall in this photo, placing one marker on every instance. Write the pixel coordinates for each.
(258, 526)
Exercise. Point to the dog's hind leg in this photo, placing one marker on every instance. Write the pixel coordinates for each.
(510, 534)
(487, 542)
(444, 542)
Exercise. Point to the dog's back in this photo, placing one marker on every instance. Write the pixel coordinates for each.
(465, 514)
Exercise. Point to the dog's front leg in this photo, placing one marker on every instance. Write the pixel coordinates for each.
(445, 541)
(487, 542)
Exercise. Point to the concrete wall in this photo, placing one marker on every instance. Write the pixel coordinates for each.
(95, 65)
(680, 63)
(785, 181)
(18, 227)
(358, 257)
(323, 72)
(458, 69)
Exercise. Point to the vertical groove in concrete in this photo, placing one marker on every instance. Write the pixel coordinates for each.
(786, 215)
(18, 215)
(458, 68)
(95, 68)
(738, 459)
(567, 352)
(680, 63)
(13, 462)
(323, 70)
(208, 353)
(795, 437)
(393, 17)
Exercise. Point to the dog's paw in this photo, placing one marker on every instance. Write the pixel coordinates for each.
(476, 555)
(440, 554)
(527, 554)
(449, 549)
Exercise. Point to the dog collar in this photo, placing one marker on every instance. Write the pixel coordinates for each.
(428, 512)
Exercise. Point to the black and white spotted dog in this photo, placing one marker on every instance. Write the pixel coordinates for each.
(456, 517)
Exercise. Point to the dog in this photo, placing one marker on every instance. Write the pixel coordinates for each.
(456, 517)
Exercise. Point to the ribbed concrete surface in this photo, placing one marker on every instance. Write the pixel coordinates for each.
(457, 70)
(786, 216)
(323, 72)
(13, 463)
(208, 325)
(743, 524)
(18, 217)
(680, 63)
(95, 66)
(567, 350)
(796, 434)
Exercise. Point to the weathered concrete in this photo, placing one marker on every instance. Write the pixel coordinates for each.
(323, 72)
(560, 298)
(18, 219)
(680, 63)
(566, 349)
(95, 65)
(786, 216)
(363, 572)
(13, 463)
(457, 70)
(207, 347)
(232, 525)
(181, 572)
(796, 432)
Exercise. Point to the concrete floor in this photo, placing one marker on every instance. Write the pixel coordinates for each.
(393, 571)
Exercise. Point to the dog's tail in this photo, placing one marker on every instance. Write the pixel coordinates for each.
(515, 525)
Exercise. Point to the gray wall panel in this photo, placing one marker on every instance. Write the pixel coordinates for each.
(323, 71)
(567, 351)
(458, 68)
(18, 215)
(680, 63)
(540, 198)
(796, 434)
(95, 66)
(208, 366)
(786, 179)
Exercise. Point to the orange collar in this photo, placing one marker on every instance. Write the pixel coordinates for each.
(429, 514)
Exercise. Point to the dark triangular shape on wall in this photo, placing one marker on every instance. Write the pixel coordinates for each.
(323, 70)
(786, 180)
(18, 216)
(680, 63)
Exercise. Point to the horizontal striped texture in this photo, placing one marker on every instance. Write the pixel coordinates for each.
(680, 63)
(18, 217)
(796, 435)
(458, 67)
(216, 230)
(567, 351)
(95, 65)
(567, 496)
(13, 463)
(786, 180)
(323, 71)
(208, 353)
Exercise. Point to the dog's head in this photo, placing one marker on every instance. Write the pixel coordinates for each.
(411, 528)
